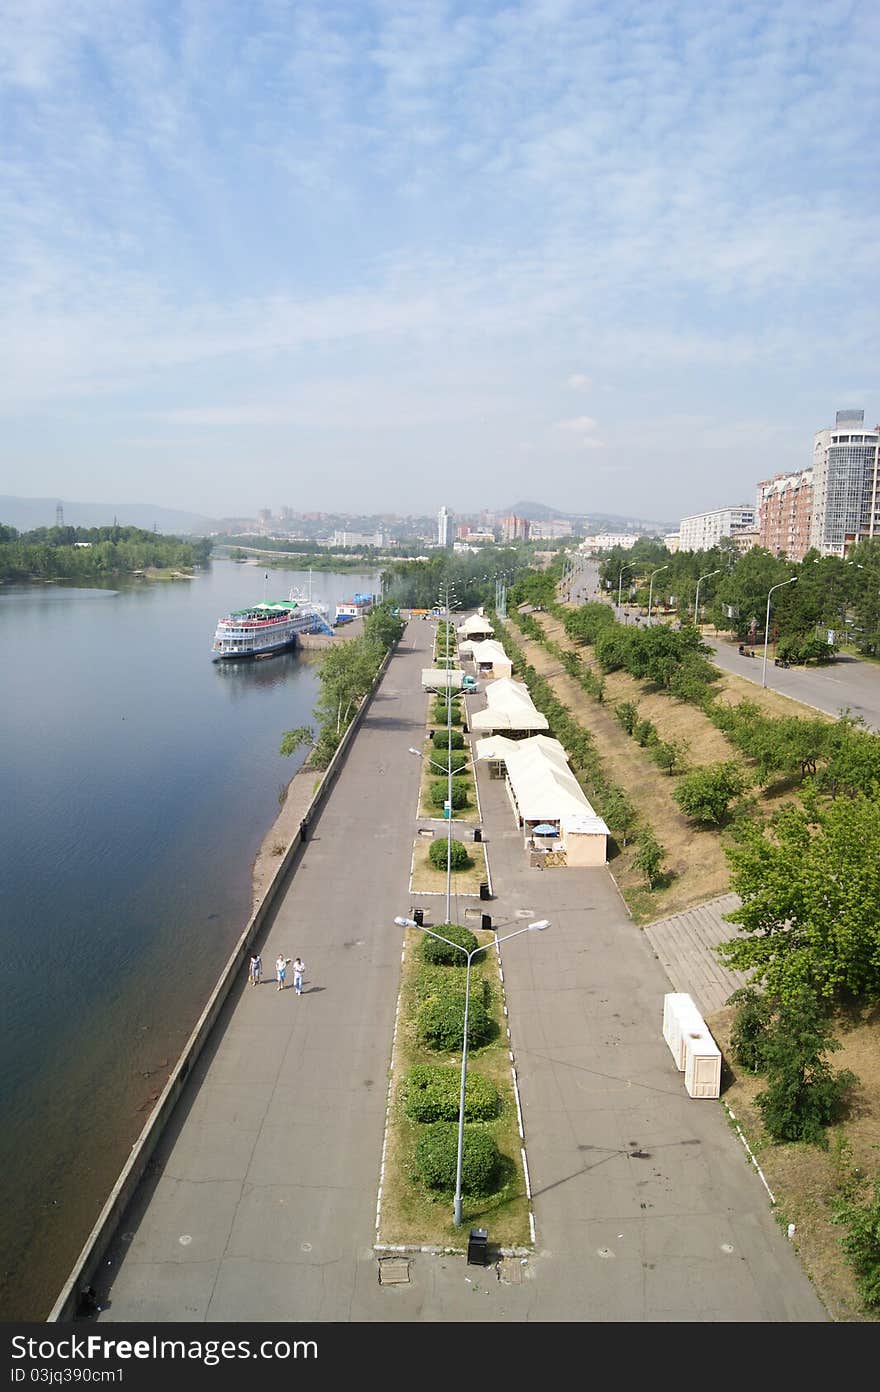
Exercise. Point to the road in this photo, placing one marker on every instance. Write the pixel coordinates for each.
(848, 684)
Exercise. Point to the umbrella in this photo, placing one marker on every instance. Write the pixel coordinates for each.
(545, 829)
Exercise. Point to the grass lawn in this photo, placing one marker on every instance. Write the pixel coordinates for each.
(428, 880)
(410, 1213)
(432, 775)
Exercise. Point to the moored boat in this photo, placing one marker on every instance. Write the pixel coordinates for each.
(265, 628)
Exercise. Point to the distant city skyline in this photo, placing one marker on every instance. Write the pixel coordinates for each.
(388, 254)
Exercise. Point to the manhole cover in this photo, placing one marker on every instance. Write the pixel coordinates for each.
(524, 913)
(512, 1271)
(393, 1271)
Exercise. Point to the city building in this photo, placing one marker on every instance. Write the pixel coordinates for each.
(606, 541)
(846, 484)
(672, 542)
(548, 531)
(358, 539)
(445, 528)
(704, 530)
(784, 510)
(515, 528)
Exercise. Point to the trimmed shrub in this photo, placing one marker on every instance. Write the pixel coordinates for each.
(433, 980)
(439, 716)
(440, 1021)
(457, 854)
(440, 760)
(436, 1158)
(440, 789)
(431, 1092)
(440, 739)
(439, 953)
(649, 858)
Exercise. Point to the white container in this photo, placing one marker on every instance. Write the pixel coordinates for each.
(679, 1015)
(702, 1068)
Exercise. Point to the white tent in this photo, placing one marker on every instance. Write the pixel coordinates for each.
(491, 659)
(510, 707)
(544, 789)
(475, 627)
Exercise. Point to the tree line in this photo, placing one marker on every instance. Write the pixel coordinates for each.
(88, 553)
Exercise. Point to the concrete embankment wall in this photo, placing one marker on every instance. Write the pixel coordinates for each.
(103, 1232)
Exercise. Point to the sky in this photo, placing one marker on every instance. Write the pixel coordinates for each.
(379, 255)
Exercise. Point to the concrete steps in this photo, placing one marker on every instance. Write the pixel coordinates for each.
(685, 944)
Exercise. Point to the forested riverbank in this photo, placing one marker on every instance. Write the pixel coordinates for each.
(81, 554)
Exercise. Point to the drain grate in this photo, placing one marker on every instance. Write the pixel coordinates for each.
(393, 1271)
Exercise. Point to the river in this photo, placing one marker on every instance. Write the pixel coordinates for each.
(137, 780)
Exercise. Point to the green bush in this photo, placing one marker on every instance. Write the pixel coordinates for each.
(649, 858)
(862, 1243)
(705, 794)
(432, 1092)
(440, 1020)
(748, 1037)
(803, 1095)
(645, 733)
(436, 1157)
(627, 714)
(440, 760)
(439, 791)
(457, 854)
(440, 954)
(439, 714)
(440, 739)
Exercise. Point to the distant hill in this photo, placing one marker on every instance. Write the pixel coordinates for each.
(27, 513)
(539, 512)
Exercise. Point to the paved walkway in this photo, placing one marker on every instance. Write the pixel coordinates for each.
(261, 1203)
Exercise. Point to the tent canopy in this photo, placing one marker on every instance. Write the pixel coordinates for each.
(509, 707)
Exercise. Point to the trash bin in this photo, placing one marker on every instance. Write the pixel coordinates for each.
(477, 1254)
(486, 922)
(484, 890)
(419, 916)
(478, 835)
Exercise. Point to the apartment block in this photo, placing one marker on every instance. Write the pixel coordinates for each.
(846, 484)
(704, 530)
(784, 510)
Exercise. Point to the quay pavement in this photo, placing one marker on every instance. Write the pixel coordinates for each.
(260, 1203)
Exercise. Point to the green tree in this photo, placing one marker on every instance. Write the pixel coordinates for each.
(803, 1094)
(292, 740)
(861, 1242)
(648, 859)
(809, 884)
(705, 794)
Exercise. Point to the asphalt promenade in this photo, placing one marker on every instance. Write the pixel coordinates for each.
(260, 1203)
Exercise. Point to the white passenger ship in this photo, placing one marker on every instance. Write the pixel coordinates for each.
(268, 627)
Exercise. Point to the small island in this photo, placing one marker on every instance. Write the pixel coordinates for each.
(93, 553)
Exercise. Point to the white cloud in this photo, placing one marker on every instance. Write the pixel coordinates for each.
(579, 425)
(578, 382)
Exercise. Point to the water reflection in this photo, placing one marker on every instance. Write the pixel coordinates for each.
(250, 673)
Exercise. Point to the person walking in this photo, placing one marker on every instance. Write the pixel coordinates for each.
(256, 968)
(281, 970)
(299, 967)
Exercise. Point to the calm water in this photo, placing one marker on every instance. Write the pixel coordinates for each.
(137, 780)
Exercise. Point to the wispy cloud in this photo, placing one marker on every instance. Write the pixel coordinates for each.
(295, 215)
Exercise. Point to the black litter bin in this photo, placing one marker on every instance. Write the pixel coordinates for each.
(484, 890)
(486, 922)
(477, 1253)
(478, 835)
(419, 916)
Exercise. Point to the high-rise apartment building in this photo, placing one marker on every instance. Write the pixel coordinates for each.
(705, 529)
(515, 528)
(445, 528)
(846, 484)
(784, 511)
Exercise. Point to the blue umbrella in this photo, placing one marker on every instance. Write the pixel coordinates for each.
(545, 829)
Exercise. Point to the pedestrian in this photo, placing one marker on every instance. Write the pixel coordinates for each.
(299, 967)
(281, 970)
(256, 968)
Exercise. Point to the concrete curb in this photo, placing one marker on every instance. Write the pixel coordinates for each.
(104, 1230)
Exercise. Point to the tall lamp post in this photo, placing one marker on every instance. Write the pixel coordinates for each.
(697, 601)
(651, 588)
(628, 566)
(767, 624)
(435, 765)
(537, 927)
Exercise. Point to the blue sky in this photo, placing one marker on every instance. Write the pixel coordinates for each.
(618, 256)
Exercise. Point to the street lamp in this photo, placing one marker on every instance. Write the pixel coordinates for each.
(537, 927)
(697, 602)
(448, 771)
(767, 624)
(651, 588)
(628, 566)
